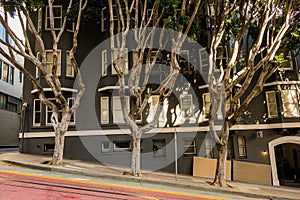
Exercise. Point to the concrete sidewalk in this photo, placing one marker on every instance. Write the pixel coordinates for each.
(184, 181)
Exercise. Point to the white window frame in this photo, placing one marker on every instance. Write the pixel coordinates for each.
(189, 107)
(204, 61)
(294, 101)
(189, 144)
(114, 53)
(242, 148)
(102, 110)
(160, 152)
(271, 114)
(218, 56)
(55, 17)
(5, 72)
(104, 63)
(117, 111)
(48, 110)
(103, 19)
(185, 59)
(40, 20)
(11, 74)
(206, 105)
(48, 63)
(69, 66)
(116, 148)
(69, 21)
(209, 150)
(36, 111)
(103, 149)
(72, 122)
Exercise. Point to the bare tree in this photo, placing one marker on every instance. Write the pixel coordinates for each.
(144, 39)
(23, 11)
(253, 32)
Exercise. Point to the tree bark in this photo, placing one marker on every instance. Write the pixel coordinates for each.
(136, 151)
(59, 147)
(222, 157)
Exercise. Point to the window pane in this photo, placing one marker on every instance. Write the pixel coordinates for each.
(117, 109)
(121, 145)
(158, 148)
(104, 110)
(290, 103)
(242, 147)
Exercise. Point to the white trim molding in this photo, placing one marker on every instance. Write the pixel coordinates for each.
(110, 87)
(272, 145)
(49, 89)
(282, 83)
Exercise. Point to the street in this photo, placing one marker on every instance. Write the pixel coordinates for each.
(17, 185)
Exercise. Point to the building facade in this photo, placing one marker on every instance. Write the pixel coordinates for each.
(268, 132)
(11, 91)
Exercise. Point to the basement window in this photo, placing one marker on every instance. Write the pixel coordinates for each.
(49, 147)
(122, 145)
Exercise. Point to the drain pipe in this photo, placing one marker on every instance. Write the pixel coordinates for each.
(24, 106)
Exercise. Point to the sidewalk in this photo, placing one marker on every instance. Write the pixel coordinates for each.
(184, 181)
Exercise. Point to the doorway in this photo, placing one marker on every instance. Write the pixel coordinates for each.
(284, 158)
(287, 163)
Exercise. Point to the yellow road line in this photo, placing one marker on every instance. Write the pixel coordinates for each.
(109, 185)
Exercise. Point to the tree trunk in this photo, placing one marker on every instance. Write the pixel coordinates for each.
(222, 157)
(59, 147)
(136, 156)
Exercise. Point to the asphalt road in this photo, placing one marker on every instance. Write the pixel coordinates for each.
(23, 186)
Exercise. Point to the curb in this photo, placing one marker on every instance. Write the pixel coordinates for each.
(140, 180)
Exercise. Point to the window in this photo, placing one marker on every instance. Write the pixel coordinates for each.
(229, 101)
(5, 71)
(104, 62)
(57, 15)
(203, 61)
(122, 146)
(37, 108)
(2, 32)
(1, 69)
(20, 77)
(117, 109)
(153, 100)
(184, 60)
(230, 149)
(40, 20)
(242, 147)
(49, 62)
(287, 64)
(103, 19)
(49, 113)
(186, 104)
(206, 104)
(290, 103)
(11, 75)
(69, 67)
(189, 147)
(49, 147)
(221, 57)
(117, 54)
(105, 146)
(71, 102)
(159, 148)
(70, 25)
(104, 110)
(3, 101)
(12, 103)
(209, 153)
(271, 104)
